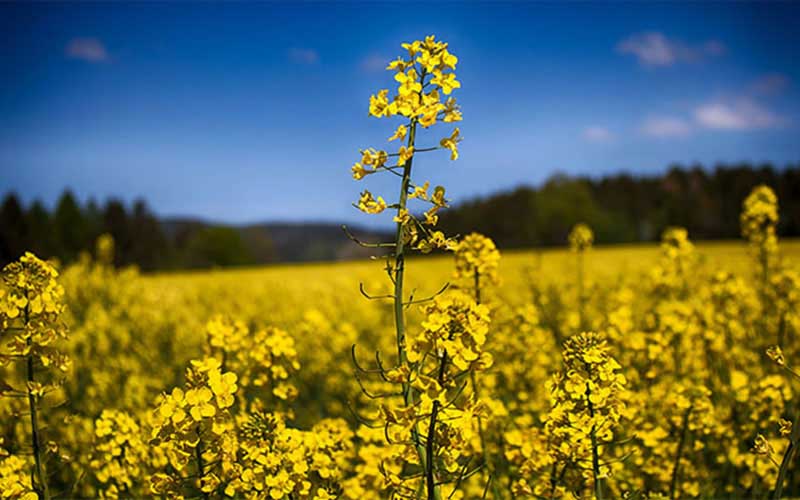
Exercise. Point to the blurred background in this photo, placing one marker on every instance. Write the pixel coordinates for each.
(223, 134)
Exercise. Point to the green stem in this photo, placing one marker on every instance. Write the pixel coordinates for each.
(781, 328)
(433, 489)
(41, 477)
(673, 488)
(399, 258)
(598, 487)
(198, 453)
(490, 470)
(429, 452)
(581, 298)
(477, 286)
(399, 318)
(764, 258)
(788, 455)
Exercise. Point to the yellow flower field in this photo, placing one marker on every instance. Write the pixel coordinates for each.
(651, 371)
(289, 335)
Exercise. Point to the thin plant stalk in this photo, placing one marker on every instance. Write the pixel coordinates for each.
(674, 489)
(430, 479)
(198, 453)
(581, 297)
(788, 455)
(598, 486)
(486, 458)
(41, 476)
(399, 317)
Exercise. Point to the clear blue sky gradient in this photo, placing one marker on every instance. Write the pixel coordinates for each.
(249, 112)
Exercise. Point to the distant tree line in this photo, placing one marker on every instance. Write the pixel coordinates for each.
(628, 208)
(139, 237)
(619, 208)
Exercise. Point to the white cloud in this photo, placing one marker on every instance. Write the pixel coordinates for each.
(597, 134)
(665, 126)
(770, 84)
(87, 49)
(655, 49)
(303, 56)
(374, 63)
(740, 114)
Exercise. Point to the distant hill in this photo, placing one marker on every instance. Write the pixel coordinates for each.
(317, 241)
(283, 241)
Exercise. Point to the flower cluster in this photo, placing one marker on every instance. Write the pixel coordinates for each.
(586, 405)
(476, 259)
(15, 477)
(581, 238)
(31, 305)
(678, 258)
(193, 424)
(422, 78)
(426, 58)
(758, 221)
(31, 309)
(760, 216)
(269, 362)
(456, 327)
(120, 454)
(279, 462)
(264, 360)
(675, 244)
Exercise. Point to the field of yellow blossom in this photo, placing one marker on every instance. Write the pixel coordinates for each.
(656, 371)
(691, 349)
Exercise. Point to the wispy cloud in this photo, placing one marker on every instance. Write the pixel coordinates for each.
(90, 50)
(598, 134)
(374, 63)
(770, 84)
(656, 49)
(665, 127)
(739, 114)
(303, 56)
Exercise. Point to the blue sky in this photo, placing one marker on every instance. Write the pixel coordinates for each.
(248, 112)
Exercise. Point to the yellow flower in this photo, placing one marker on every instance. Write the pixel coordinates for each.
(374, 158)
(400, 133)
(398, 64)
(379, 104)
(776, 354)
(476, 254)
(370, 205)
(438, 198)
(360, 172)
(451, 143)
(784, 427)
(413, 48)
(446, 81)
(431, 218)
(761, 446)
(402, 217)
(452, 113)
(408, 82)
(420, 192)
(404, 154)
(581, 237)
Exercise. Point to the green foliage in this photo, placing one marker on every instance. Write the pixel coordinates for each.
(217, 246)
(141, 239)
(623, 208)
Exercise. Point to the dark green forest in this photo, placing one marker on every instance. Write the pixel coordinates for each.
(620, 208)
(626, 208)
